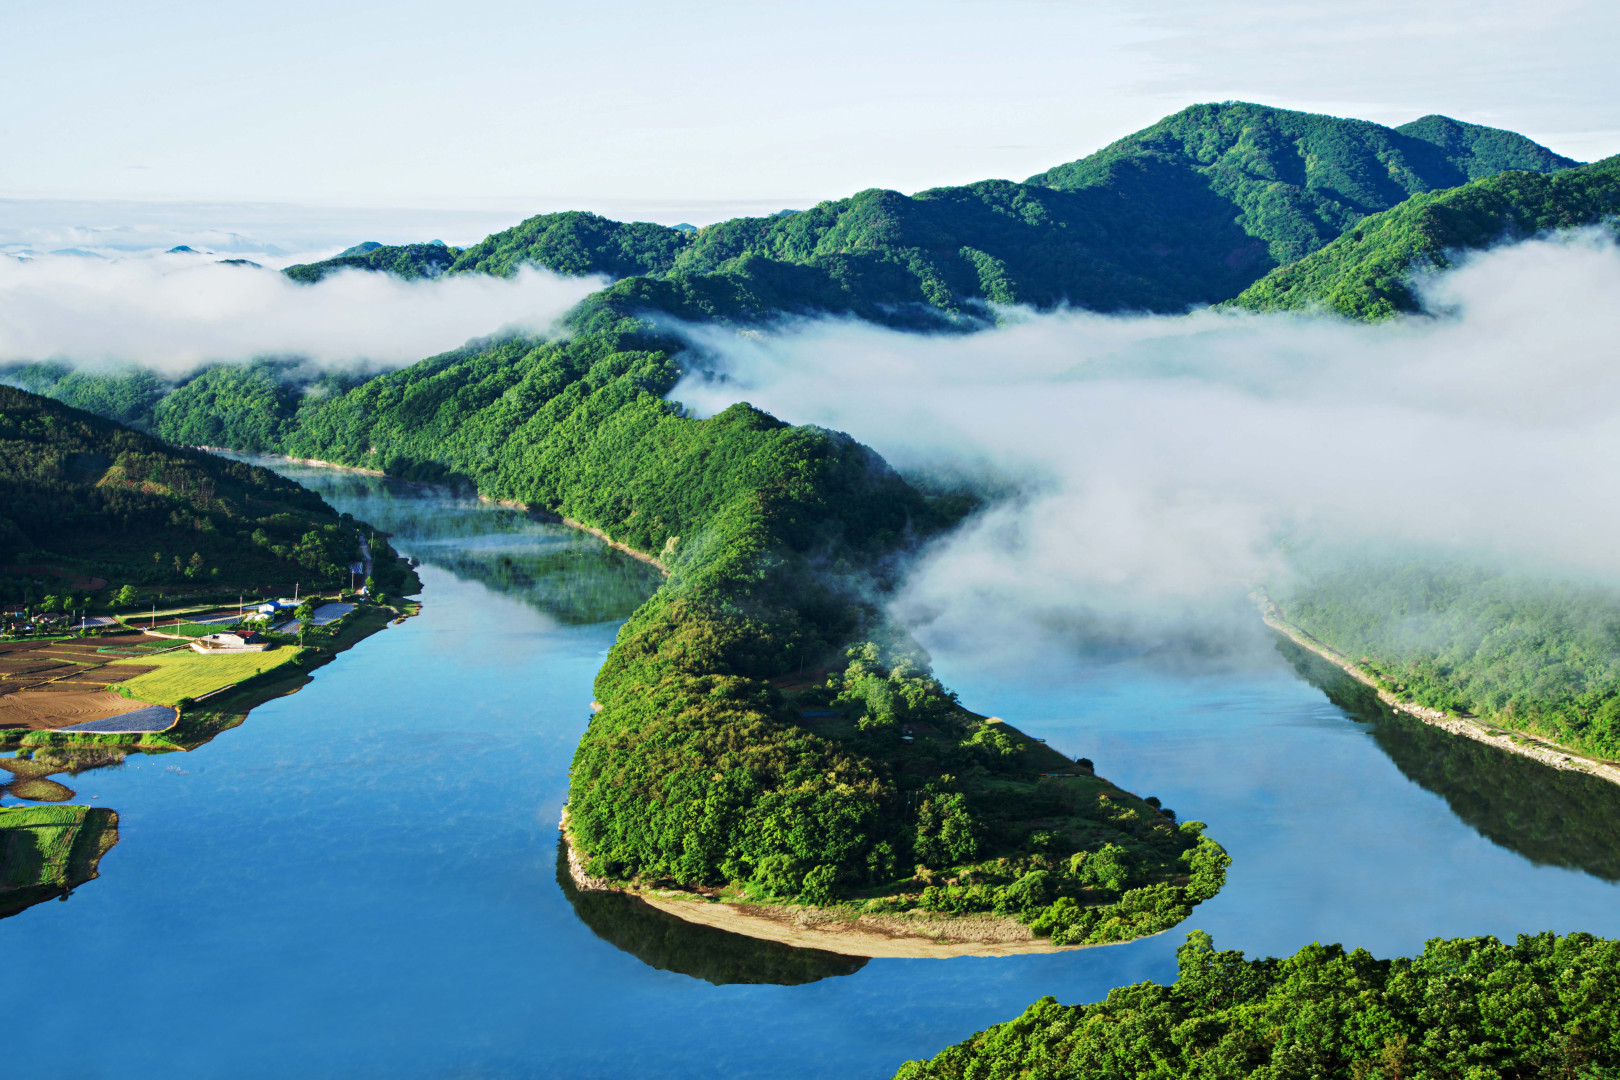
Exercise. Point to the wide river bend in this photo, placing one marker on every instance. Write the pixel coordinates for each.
(361, 881)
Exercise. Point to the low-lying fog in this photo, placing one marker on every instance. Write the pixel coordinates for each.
(1160, 467)
(172, 312)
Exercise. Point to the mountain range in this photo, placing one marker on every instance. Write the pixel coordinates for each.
(1190, 211)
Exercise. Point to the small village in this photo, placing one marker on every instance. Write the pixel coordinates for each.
(137, 672)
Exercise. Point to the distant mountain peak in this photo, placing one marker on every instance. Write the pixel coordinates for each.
(359, 249)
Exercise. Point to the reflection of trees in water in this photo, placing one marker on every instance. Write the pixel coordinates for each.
(573, 584)
(667, 943)
(31, 770)
(1553, 817)
(570, 575)
(48, 851)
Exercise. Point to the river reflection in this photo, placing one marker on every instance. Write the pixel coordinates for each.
(1553, 817)
(570, 575)
(667, 943)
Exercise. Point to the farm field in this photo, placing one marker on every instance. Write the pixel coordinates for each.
(46, 710)
(187, 674)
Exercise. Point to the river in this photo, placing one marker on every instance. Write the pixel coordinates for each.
(361, 880)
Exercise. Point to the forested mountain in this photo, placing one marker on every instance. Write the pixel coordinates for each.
(83, 494)
(1546, 1006)
(409, 261)
(1367, 273)
(128, 395)
(250, 407)
(774, 536)
(1188, 211)
(576, 242)
(1295, 180)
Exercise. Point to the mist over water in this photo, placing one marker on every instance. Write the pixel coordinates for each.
(172, 312)
(1150, 471)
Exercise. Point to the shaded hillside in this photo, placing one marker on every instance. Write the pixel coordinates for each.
(84, 494)
(129, 395)
(1368, 272)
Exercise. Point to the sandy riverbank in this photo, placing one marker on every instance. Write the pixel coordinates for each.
(1514, 742)
(912, 936)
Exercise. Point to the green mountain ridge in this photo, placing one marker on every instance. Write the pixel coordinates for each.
(1189, 211)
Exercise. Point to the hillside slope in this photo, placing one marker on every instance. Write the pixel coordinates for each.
(1295, 180)
(1368, 272)
(86, 495)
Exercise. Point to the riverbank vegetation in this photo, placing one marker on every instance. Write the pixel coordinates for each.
(1525, 654)
(1552, 817)
(1544, 1006)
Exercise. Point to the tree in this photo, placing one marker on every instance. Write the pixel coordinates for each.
(125, 596)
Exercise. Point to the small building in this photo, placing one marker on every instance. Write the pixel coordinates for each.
(230, 641)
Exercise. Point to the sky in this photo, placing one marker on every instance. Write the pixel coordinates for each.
(434, 119)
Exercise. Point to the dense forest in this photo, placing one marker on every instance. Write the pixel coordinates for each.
(408, 261)
(1526, 654)
(1189, 211)
(772, 535)
(83, 497)
(1545, 1006)
(1368, 272)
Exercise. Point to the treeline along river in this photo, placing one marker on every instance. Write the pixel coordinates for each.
(362, 880)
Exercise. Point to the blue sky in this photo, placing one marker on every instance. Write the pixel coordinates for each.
(485, 109)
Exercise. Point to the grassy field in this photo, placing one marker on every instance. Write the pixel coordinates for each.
(188, 674)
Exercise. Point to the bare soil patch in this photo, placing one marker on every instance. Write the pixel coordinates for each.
(46, 710)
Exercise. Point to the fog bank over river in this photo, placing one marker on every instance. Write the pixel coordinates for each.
(1149, 470)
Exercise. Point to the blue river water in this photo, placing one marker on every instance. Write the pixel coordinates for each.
(361, 880)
